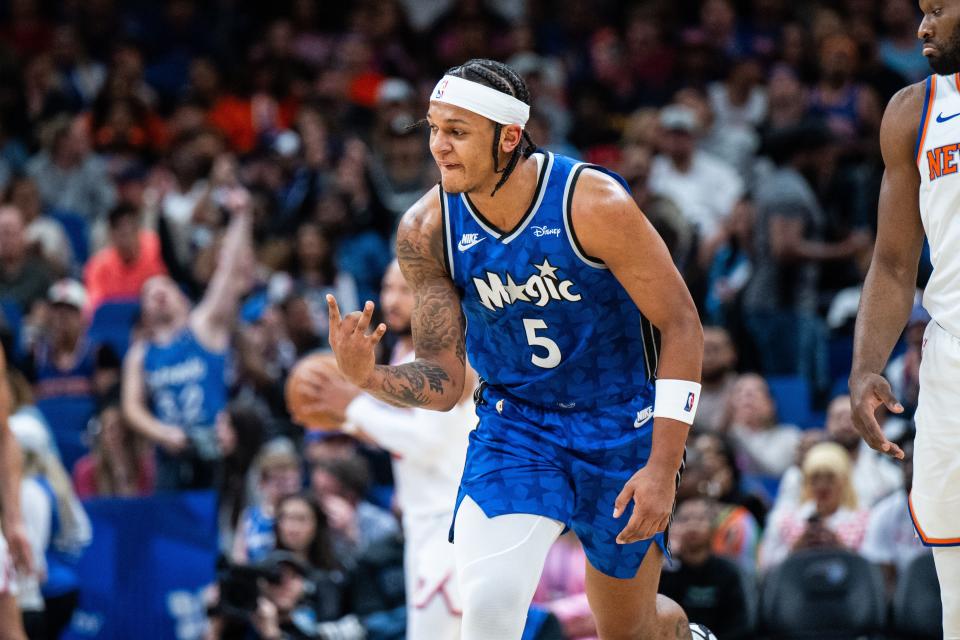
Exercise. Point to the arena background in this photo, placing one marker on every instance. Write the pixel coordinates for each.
(748, 131)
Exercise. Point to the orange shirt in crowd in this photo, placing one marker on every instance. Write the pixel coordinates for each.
(107, 276)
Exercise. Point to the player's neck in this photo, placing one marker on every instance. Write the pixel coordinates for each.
(512, 199)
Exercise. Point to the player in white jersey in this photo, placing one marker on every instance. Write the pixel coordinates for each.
(920, 142)
(14, 546)
(428, 450)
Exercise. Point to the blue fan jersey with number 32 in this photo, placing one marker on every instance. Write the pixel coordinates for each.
(546, 323)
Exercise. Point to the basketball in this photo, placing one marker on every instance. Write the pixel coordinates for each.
(296, 392)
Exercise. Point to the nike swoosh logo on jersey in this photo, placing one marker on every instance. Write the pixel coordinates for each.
(643, 417)
(940, 117)
(463, 246)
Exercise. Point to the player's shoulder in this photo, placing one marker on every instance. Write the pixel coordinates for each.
(598, 196)
(424, 214)
(903, 114)
(598, 188)
(419, 236)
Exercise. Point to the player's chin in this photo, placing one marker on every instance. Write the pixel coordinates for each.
(453, 183)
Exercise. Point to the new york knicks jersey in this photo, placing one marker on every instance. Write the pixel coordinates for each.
(938, 155)
(185, 382)
(546, 323)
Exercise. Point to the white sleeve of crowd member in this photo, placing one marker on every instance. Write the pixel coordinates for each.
(404, 432)
(37, 515)
(877, 544)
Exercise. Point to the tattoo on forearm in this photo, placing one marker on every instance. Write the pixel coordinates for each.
(406, 383)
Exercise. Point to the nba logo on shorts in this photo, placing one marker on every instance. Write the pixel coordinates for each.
(689, 406)
(440, 89)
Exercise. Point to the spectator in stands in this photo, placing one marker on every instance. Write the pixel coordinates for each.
(240, 434)
(70, 177)
(118, 465)
(677, 232)
(703, 187)
(340, 486)
(264, 354)
(302, 529)
(174, 380)
(782, 296)
(279, 474)
(891, 540)
(132, 257)
(708, 587)
(24, 278)
(563, 591)
(316, 275)
(873, 475)
(763, 446)
(321, 446)
(712, 474)
(59, 530)
(718, 378)
(729, 266)
(828, 516)
(850, 108)
(299, 324)
(899, 49)
(62, 362)
(43, 232)
(287, 608)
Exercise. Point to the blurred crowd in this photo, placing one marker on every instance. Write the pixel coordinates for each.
(183, 182)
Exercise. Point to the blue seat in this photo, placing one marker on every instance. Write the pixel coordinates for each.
(78, 233)
(13, 318)
(792, 396)
(68, 417)
(112, 322)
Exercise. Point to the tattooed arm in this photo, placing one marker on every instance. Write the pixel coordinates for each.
(435, 379)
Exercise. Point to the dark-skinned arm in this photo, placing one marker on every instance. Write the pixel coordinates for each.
(891, 282)
(612, 229)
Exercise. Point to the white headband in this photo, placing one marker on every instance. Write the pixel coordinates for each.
(481, 100)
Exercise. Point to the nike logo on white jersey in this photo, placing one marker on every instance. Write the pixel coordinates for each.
(469, 240)
(643, 417)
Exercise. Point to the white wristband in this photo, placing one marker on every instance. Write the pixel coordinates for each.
(676, 399)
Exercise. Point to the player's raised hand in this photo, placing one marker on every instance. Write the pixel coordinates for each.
(351, 343)
(868, 392)
(652, 492)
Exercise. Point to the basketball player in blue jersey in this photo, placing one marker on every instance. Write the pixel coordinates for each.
(173, 382)
(920, 195)
(547, 275)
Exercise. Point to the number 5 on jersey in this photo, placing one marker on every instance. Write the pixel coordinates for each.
(531, 326)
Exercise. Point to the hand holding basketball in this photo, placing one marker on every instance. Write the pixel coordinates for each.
(351, 343)
(307, 394)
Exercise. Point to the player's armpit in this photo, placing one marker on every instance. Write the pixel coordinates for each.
(435, 379)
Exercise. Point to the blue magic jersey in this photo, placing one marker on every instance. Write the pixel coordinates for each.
(186, 383)
(546, 323)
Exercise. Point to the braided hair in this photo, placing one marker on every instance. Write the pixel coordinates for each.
(499, 76)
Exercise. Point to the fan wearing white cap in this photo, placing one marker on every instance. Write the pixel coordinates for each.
(543, 271)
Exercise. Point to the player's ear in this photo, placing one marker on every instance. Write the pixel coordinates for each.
(510, 137)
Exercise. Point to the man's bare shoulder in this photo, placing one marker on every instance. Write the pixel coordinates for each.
(423, 215)
(420, 238)
(901, 121)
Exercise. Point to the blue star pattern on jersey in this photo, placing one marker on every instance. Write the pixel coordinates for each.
(546, 323)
